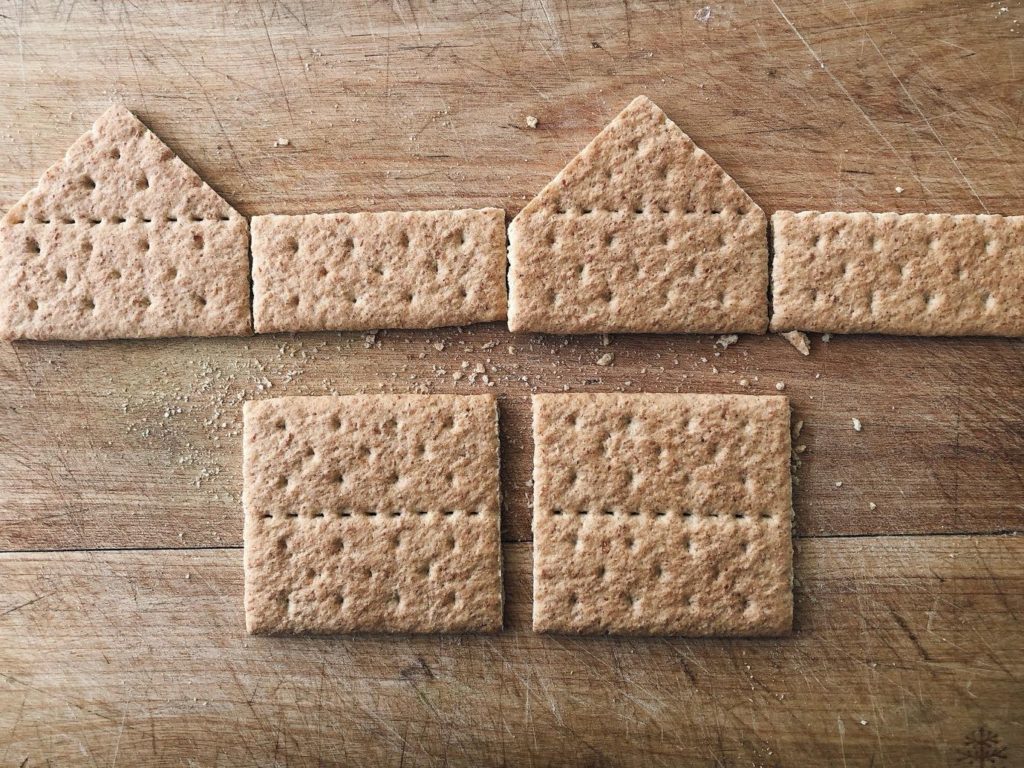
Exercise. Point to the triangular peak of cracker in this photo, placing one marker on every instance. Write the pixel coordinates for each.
(642, 231)
(121, 239)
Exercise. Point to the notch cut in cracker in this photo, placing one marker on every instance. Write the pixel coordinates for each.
(662, 514)
(361, 271)
(372, 513)
(641, 232)
(121, 239)
(914, 274)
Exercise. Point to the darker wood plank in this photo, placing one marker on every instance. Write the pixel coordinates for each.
(137, 444)
(903, 648)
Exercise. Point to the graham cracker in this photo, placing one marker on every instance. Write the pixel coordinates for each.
(641, 232)
(662, 514)
(121, 239)
(915, 274)
(361, 271)
(372, 513)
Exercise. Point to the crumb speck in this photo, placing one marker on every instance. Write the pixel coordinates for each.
(857, 426)
(872, 506)
(839, 483)
(727, 340)
(531, 121)
(281, 142)
(799, 340)
(780, 385)
(606, 359)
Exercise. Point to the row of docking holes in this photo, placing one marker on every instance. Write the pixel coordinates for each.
(561, 209)
(391, 423)
(449, 600)
(92, 221)
(819, 242)
(929, 300)
(457, 237)
(343, 513)
(552, 239)
(687, 601)
(33, 248)
(685, 514)
(354, 299)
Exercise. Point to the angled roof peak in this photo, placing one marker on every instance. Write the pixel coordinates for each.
(121, 239)
(642, 231)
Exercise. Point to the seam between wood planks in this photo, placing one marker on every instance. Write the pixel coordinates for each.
(943, 534)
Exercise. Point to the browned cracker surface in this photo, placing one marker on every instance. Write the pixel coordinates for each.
(662, 514)
(358, 271)
(642, 231)
(121, 239)
(372, 513)
(916, 274)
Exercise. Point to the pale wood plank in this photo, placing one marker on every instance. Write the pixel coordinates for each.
(903, 647)
(423, 105)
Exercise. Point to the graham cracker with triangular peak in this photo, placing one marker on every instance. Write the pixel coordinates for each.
(641, 232)
(121, 239)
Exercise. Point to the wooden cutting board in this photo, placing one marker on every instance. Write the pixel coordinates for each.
(121, 630)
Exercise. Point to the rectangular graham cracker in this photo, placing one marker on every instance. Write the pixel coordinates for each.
(662, 515)
(372, 513)
(362, 271)
(641, 232)
(121, 239)
(915, 274)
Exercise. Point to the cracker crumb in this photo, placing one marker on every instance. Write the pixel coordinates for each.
(605, 340)
(899, 190)
(839, 483)
(727, 340)
(780, 385)
(606, 359)
(799, 340)
(826, 337)
(281, 142)
(857, 426)
(744, 383)
(531, 121)
(798, 428)
(801, 448)
(872, 506)
(439, 346)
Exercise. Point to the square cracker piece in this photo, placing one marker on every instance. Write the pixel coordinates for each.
(662, 515)
(372, 513)
(361, 271)
(916, 274)
(640, 232)
(121, 239)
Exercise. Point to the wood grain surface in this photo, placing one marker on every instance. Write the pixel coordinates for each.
(121, 632)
